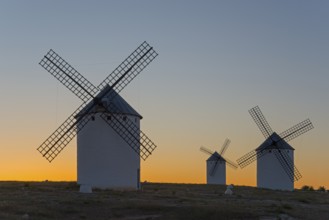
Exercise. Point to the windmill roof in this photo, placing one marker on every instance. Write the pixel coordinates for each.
(122, 107)
(215, 156)
(274, 142)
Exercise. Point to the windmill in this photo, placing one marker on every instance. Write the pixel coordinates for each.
(111, 125)
(275, 157)
(216, 164)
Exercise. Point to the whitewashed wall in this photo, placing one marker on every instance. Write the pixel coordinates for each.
(105, 160)
(270, 173)
(219, 177)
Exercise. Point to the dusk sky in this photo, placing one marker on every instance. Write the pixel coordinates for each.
(217, 60)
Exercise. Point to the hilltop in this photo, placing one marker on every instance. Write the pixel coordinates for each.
(61, 200)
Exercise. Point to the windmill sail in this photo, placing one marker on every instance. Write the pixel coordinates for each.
(275, 142)
(81, 87)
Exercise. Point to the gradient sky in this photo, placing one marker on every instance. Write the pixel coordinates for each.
(217, 59)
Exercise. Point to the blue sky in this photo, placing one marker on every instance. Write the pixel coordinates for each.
(217, 59)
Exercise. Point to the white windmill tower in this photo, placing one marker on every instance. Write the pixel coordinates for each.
(111, 137)
(216, 164)
(105, 160)
(275, 157)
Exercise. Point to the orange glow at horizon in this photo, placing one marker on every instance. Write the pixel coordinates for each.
(182, 165)
(171, 171)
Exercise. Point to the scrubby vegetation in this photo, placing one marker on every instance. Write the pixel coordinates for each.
(322, 189)
(310, 188)
(307, 188)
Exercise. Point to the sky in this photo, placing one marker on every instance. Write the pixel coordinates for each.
(217, 60)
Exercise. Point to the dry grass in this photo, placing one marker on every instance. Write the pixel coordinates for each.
(61, 200)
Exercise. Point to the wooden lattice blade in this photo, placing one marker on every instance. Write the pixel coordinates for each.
(133, 64)
(129, 132)
(287, 165)
(62, 136)
(225, 146)
(250, 157)
(206, 150)
(261, 122)
(68, 76)
(230, 163)
(214, 168)
(297, 130)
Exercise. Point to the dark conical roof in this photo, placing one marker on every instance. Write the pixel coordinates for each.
(122, 107)
(274, 142)
(216, 156)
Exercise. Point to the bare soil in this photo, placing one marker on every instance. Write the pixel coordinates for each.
(62, 200)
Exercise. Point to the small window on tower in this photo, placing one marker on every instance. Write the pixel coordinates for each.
(109, 118)
(124, 118)
(93, 118)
